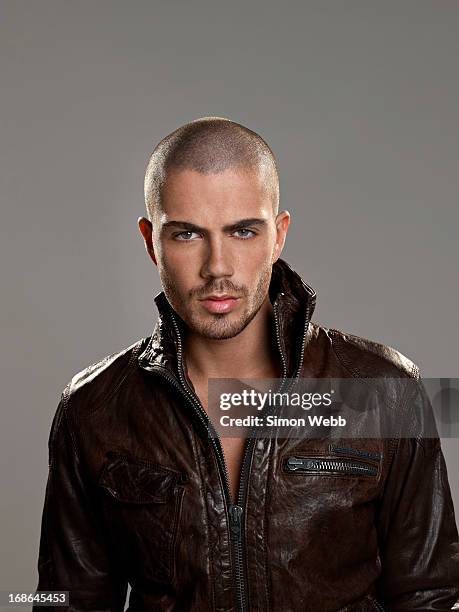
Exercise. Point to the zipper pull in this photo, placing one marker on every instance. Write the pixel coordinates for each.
(236, 521)
(294, 463)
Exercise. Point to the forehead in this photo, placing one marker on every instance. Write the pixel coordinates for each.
(201, 198)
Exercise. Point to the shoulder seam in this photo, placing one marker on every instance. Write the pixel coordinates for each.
(412, 372)
(129, 367)
(123, 376)
(59, 415)
(339, 355)
(62, 411)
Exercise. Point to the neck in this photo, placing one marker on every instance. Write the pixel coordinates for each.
(250, 354)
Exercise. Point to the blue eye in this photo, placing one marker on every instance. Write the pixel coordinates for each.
(177, 236)
(186, 236)
(244, 229)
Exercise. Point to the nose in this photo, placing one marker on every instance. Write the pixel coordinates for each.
(217, 261)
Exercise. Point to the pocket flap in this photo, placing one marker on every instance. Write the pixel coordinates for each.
(136, 481)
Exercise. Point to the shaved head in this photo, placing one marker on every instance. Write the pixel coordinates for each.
(209, 145)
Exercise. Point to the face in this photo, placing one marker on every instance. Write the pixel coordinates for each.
(215, 236)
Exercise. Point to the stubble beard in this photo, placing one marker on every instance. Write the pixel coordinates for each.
(218, 326)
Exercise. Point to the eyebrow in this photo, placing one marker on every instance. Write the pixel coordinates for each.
(226, 228)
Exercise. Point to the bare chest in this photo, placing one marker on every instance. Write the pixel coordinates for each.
(233, 448)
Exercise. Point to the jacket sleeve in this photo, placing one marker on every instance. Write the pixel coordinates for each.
(74, 552)
(417, 532)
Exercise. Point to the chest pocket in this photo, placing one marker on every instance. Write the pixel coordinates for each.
(142, 505)
(329, 466)
(340, 476)
(336, 460)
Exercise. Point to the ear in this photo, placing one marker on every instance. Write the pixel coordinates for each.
(145, 228)
(282, 223)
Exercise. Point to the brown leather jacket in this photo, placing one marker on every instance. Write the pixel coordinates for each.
(138, 492)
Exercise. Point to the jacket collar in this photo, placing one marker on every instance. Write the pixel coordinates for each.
(293, 301)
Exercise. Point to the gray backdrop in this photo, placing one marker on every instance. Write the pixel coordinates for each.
(358, 100)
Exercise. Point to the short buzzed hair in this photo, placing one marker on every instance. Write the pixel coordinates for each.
(209, 145)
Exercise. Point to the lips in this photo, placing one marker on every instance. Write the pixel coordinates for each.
(219, 303)
(224, 296)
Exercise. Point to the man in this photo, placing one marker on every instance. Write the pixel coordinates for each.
(141, 492)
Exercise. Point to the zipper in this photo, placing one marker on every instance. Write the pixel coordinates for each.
(236, 510)
(333, 466)
(378, 606)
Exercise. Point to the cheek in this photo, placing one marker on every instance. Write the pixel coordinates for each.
(259, 260)
(176, 291)
(181, 260)
(257, 273)
(173, 273)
